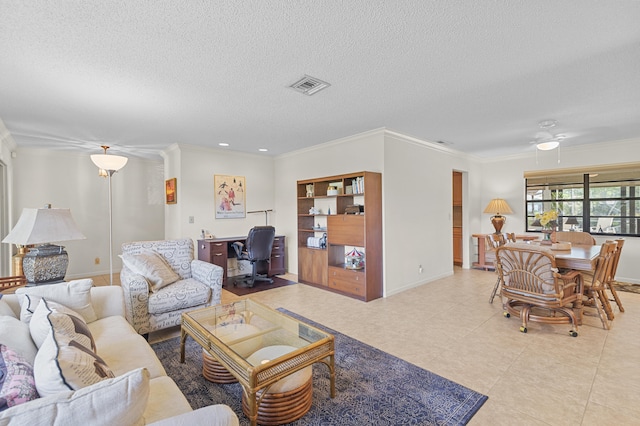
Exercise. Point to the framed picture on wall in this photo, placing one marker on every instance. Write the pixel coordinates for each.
(230, 196)
(171, 191)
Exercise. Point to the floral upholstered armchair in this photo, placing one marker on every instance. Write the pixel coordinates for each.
(161, 280)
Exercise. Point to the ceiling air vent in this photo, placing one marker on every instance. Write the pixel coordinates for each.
(309, 85)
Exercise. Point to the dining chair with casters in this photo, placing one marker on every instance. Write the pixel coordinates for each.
(498, 240)
(257, 248)
(534, 290)
(595, 285)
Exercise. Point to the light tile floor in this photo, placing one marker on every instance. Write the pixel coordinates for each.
(544, 377)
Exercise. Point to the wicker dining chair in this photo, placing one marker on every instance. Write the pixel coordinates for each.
(534, 290)
(595, 286)
(575, 237)
(614, 270)
(496, 241)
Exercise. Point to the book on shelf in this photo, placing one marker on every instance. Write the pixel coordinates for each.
(358, 185)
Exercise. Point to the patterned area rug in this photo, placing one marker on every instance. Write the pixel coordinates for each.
(240, 290)
(631, 288)
(372, 388)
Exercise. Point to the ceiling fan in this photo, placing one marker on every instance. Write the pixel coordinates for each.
(545, 140)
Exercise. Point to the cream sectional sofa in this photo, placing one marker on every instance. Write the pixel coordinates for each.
(140, 393)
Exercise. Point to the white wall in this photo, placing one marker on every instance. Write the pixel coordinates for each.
(70, 180)
(194, 167)
(418, 212)
(504, 178)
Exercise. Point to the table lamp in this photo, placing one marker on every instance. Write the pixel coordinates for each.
(496, 207)
(45, 263)
(573, 222)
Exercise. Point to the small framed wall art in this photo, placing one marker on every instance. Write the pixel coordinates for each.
(230, 196)
(171, 191)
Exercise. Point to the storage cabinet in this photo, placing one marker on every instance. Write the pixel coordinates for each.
(457, 188)
(348, 210)
(347, 281)
(457, 246)
(312, 266)
(215, 252)
(276, 265)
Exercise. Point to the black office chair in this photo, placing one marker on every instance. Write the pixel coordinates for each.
(258, 249)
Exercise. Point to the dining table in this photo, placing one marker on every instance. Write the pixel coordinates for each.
(579, 258)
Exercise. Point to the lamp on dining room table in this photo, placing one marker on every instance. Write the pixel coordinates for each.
(45, 263)
(573, 222)
(498, 207)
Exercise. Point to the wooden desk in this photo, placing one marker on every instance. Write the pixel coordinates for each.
(580, 258)
(487, 257)
(219, 250)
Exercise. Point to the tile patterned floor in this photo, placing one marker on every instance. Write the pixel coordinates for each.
(544, 377)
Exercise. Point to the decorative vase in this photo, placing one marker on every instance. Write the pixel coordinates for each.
(549, 236)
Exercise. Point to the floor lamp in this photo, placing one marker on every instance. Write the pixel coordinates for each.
(108, 165)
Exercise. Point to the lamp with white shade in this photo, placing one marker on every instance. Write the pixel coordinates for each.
(45, 263)
(497, 207)
(108, 165)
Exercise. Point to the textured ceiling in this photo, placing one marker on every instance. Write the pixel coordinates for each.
(141, 75)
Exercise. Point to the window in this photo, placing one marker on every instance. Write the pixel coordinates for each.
(601, 200)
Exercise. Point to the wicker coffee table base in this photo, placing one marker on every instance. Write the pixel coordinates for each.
(213, 371)
(282, 408)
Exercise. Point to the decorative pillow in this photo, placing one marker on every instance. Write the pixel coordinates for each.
(118, 401)
(64, 364)
(17, 385)
(73, 294)
(152, 266)
(5, 309)
(15, 334)
(50, 314)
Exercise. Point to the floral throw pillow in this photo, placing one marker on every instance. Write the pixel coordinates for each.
(17, 384)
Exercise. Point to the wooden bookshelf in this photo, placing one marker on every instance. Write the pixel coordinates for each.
(322, 207)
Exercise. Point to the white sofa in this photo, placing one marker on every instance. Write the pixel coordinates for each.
(140, 393)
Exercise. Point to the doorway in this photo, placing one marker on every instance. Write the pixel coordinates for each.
(457, 218)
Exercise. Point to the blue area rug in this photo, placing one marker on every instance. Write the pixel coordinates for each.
(372, 387)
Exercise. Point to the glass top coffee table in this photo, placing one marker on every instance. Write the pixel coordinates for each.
(259, 346)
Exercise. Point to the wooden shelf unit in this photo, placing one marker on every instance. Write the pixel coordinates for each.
(325, 267)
